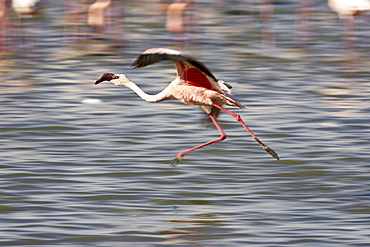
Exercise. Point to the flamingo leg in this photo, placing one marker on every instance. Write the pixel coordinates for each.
(350, 43)
(179, 156)
(240, 120)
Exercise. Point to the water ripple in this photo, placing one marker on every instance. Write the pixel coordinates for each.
(91, 165)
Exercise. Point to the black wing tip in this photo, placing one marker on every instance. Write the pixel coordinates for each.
(135, 66)
(146, 59)
(155, 55)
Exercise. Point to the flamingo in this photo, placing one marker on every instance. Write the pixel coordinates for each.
(2, 24)
(267, 18)
(95, 17)
(193, 85)
(346, 10)
(25, 7)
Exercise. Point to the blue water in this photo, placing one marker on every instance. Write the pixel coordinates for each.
(86, 165)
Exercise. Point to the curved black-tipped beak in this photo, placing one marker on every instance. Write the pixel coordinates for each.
(105, 77)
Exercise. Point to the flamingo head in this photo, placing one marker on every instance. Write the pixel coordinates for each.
(116, 79)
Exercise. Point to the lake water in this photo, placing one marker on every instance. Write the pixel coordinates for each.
(86, 165)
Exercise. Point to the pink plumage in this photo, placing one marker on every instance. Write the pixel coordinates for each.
(193, 85)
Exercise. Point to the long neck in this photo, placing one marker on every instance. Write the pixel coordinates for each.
(164, 95)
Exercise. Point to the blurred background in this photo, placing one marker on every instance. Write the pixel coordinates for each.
(86, 165)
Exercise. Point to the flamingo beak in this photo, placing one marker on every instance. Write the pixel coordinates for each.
(105, 77)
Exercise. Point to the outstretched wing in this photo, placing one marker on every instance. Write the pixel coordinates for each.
(190, 71)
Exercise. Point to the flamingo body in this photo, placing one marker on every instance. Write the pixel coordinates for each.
(25, 7)
(95, 15)
(347, 9)
(193, 85)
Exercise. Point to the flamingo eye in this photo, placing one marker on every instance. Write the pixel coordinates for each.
(116, 77)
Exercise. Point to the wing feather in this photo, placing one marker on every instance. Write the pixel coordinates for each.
(187, 67)
(190, 71)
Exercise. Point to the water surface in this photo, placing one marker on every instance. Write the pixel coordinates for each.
(85, 165)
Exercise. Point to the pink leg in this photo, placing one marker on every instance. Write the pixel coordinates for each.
(221, 138)
(350, 44)
(267, 18)
(240, 120)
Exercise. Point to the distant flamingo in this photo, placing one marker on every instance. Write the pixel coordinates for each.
(346, 10)
(304, 15)
(194, 85)
(25, 7)
(175, 22)
(2, 24)
(95, 16)
(181, 20)
(267, 25)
